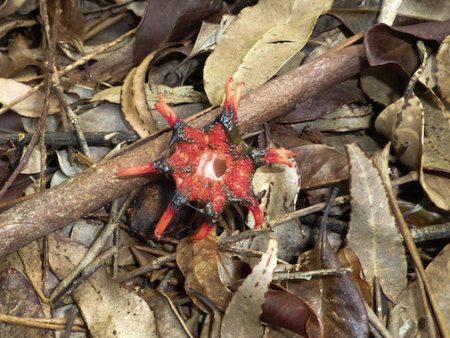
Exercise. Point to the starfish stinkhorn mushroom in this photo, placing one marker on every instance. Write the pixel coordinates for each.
(212, 166)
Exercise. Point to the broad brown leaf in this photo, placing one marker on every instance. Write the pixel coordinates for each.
(443, 68)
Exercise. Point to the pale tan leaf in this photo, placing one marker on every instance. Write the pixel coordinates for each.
(443, 68)
(241, 318)
(346, 118)
(198, 260)
(9, 7)
(31, 106)
(129, 109)
(409, 315)
(111, 94)
(108, 309)
(403, 125)
(373, 234)
(8, 25)
(259, 42)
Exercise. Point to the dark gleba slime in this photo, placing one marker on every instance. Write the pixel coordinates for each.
(212, 166)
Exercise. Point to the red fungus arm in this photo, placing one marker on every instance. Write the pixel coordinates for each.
(164, 109)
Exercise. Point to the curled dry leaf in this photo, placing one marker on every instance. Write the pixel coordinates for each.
(403, 124)
(198, 260)
(9, 7)
(443, 69)
(336, 299)
(410, 313)
(373, 234)
(142, 124)
(108, 309)
(31, 106)
(241, 319)
(259, 42)
(17, 298)
(320, 165)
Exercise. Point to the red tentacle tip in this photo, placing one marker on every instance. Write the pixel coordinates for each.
(135, 170)
(233, 97)
(164, 109)
(202, 232)
(280, 155)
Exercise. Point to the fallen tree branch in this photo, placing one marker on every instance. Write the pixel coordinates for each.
(56, 207)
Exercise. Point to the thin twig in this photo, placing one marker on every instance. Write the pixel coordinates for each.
(153, 265)
(90, 269)
(307, 275)
(40, 323)
(70, 67)
(431, 232)
(69, 324)
(376, 323)
(94, 250)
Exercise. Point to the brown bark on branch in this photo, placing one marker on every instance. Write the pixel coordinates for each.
(56, 207)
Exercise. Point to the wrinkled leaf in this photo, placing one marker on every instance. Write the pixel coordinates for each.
(259, 42)
(443, 68)
(107, 308)
(346, 118)
(241, 319)
(198, 260)
(373, 234)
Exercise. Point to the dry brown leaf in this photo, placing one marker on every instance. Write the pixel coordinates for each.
(336, 299)
(373, 234)
(259, 42)
(17, 298)
(320, 165)
(346, 118)
(408, 317)
(241, 319)
(443, 68)
(10, 24)
(108, 309)
(31, 106)
(129, 109)
(198, 260)
(71, 21)
(403, 125)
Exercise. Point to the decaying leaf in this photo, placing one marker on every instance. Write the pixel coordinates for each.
(336, 299)
(198, 260)
(259, 42)
(320, 165)
(241, 319)
(107, 308)
(443, 68)
(31, 106)
(346, 118)
(17, 298)
(71, 21)
(373, 234)
(409, 317)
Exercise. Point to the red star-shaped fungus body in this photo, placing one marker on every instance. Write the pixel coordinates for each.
(211, 166)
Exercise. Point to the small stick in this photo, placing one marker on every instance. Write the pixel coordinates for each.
(153, 265)
(41, 323)
(307, 275)
(69, 323)
(69, 68)
(376, 323)
(90, 269)
(431, 232)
